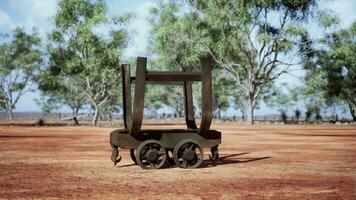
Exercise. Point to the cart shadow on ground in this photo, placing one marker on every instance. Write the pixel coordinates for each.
(228, 159)
(224, 159)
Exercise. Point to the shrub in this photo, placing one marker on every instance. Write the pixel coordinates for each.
(297, 114)
(40, 122)
(284, 116)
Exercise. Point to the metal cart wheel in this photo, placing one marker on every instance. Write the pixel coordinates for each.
(132, 155)
(188, 154)
(151, 154)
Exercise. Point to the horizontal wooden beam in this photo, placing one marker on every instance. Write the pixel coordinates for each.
(171, 76)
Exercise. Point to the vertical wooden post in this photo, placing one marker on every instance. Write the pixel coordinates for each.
(126, 95)
(206, 66)
(188, 105)
(140, 82)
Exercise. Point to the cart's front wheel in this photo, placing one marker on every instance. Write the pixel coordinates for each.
(151, 154)
(188, 154)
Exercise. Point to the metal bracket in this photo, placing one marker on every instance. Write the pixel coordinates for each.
(115, 155)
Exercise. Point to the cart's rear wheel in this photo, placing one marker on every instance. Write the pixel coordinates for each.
(188, 154)
(132, 155)
(151, 154)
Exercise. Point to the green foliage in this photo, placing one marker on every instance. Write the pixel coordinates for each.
(20, 60)
(225, 30)
(279, 98)
(223, 87)
(328, 19)
(284, 116)
(175, 38)
(297, 114)
(333, 67)
(83, 63)
(48, 105)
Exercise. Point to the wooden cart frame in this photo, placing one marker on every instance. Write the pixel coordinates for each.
(149, 148)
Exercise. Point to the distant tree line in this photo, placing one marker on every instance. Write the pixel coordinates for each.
(253, 43)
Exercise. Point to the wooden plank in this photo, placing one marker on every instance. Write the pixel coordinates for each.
(207, 100)
(137, 115)
(173, 76)
(178, 83)
(188, 105)
(126, 95)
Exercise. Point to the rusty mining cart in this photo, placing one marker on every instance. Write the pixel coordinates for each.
(149, 148)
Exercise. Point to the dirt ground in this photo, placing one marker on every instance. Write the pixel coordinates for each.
(257, 162)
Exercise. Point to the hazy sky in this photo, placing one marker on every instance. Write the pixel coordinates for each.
(39, 13)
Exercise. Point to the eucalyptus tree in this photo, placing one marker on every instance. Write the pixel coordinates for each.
(223, 89)
(176, 43)
(55, 83)
(340, 66)
(2, 102)
(333, 64)
(92, 44)
(20, 61)
(255, 41)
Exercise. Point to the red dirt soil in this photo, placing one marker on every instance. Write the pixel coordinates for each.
(257, 162)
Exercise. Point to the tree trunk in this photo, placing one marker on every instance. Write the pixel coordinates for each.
(75, 115)
(352, 108)
(75, 112)
(96, 116)
(10, 113)
(250, 110)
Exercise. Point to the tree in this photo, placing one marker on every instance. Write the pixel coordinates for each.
(2, 102)
(58, 86)
(254, 41)
(223, 86)
(311, 95)
(93, 56)
(297, 114)
(48, 105)
(173, 41)
(157, 97)
(20, 60)
(279, 98)
(256, 48)
(336, 62)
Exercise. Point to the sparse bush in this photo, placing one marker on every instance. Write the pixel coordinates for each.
(308, 115)
(318, 115)
(297, 114)
(284, 116)
(40, 122)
